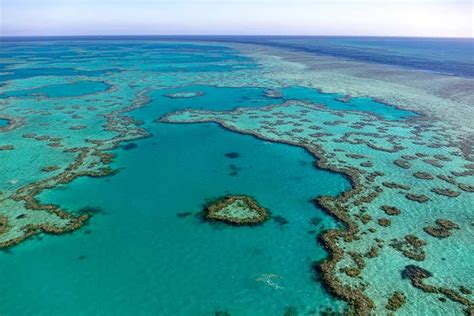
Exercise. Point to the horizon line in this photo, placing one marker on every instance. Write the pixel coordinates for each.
(230, 35)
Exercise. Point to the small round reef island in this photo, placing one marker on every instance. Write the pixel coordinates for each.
(236, 210)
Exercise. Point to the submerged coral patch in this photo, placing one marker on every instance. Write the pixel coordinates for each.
(6, 147)
(415, 273)
(50, 168)
(442, 229)
(411, 247)
(3, 224)
(129, 146)
(390, 210)
(232, 155)
(184, 214)
(280, 220)
(395, 301)
(4, 122)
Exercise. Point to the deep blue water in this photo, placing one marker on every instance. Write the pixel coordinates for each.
(454, 56)
(448, 56)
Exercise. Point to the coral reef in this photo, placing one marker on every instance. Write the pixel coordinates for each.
(411, 247)
(379, 189)
(395, 301)
(236, 210)
(408, 170)
(442, 229)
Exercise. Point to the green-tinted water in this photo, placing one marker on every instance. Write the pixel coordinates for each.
(146, 249)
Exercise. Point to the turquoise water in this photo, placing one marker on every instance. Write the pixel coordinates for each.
(146, 250)
(446, 55)
(76, 89)
(333, 101)
(229, 98)
(12, 74)
(214, 98)
(373, 154)
(154, 259)
(3, 122)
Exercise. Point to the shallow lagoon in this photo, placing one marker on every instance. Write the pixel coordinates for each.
(146, 245)
(3, 122)
(337, 102)
(158, 257)
(75, 89)
(229, 98)
(212, 98)
(155, 259)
